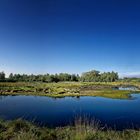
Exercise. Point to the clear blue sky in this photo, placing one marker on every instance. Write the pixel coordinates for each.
(40, 36)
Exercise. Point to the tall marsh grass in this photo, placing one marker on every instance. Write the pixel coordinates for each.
(81, 130)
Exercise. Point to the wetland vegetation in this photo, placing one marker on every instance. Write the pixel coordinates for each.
(91, 83)
(81, 130)
(65, 89)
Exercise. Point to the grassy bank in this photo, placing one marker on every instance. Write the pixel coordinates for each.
(23, 130)
(67, 89)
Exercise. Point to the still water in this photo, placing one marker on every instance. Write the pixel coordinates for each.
(116, 113)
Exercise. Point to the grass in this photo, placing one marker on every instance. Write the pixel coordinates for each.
(81, 130)
(67, 89)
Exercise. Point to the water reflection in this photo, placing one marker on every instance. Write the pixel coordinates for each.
(62, 111)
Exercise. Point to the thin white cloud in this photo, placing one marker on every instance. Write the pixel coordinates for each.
(130, 74)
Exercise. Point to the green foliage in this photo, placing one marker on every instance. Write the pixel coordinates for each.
(96, 76)
(91, 76)
(2, 76)
(43, 78)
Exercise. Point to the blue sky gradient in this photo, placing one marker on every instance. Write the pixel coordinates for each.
(53, 36)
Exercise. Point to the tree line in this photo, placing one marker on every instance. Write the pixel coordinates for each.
(91, 76)
(97, 76)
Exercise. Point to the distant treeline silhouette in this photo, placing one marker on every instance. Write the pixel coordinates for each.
(91, 76)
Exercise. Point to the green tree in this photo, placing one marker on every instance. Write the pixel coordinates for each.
(2, 76)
